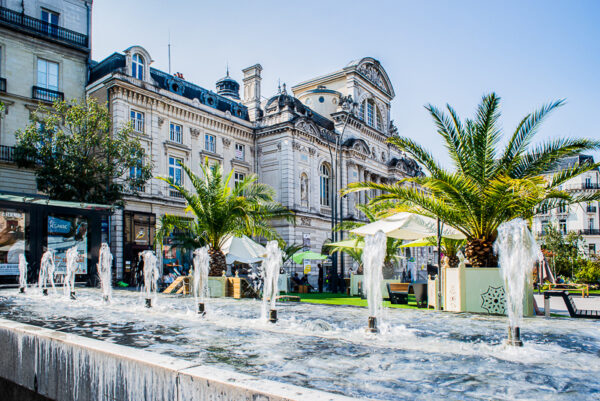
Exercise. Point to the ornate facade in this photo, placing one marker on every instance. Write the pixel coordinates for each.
(293, 140)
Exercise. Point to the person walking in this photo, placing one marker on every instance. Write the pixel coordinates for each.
(320, 280)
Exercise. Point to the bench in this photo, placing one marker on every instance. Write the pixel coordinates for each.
(584, 289)
(398, 292)
(570, 304)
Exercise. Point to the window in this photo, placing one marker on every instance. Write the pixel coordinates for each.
(175, 170)
(591, 224)
(137, 66)
(175, 133)
(50, 22)
(562, 208)
(237, 178)
(325, 185)
(544, 226)
(562, 226)
(47, 74)
(588, 182)
(210, 143)
(137, 121)
(370, 111)
(239, 151)
(592, 249)
(135, 173)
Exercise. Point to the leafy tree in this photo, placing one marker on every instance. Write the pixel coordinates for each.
(79, 156)
(486, 186)
(563, 252)
(588, 271)
(220, 211)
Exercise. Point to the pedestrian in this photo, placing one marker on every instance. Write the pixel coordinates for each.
(320, 280)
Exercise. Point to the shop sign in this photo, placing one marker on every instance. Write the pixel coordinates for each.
(65, 232)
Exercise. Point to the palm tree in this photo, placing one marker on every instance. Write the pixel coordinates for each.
(392, 246)
(287, 251)
(487, 185)
(220, 210)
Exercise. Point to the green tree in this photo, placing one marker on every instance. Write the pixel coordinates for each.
(486, 185)
(588, 271)
(563, 252)
(79, 156)
(220, 210)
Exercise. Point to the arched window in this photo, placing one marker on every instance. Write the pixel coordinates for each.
(304, 189)
(137, 66)
(367, 113)
(325, 184)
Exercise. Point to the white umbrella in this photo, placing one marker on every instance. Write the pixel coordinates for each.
(408, 226)
(243, 249)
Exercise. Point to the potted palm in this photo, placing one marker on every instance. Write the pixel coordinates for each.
(486, 184)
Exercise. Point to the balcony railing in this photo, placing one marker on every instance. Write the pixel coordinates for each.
(590, 231)
(47, 95)
(2, 84)
(583, 187)
(7, 154)
(591, 209)
(42, 27)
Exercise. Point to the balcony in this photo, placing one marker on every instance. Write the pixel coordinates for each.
(3, 85)
(46, 95)
(7, 154)
(583, 187)
(42, 28)
(589, 231)
(591, 209)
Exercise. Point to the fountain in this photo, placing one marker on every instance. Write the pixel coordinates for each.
(22, 273)
(201, 266)
(72, 257)
(517, 253)
(271, 266)
(373, 257)
(46, 272)
(150, 276)
(105, 259)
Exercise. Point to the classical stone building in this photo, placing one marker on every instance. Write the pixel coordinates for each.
(44, 55)
(582, 218)
(293, 141)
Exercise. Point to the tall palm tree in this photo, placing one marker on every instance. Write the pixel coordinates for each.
(220, 210)
(392, 246)
(486, 185)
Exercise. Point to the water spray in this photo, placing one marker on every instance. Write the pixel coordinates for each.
(373, 258)
(271, 266)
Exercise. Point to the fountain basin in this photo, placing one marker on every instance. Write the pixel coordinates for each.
(416, 354)
(64, 366)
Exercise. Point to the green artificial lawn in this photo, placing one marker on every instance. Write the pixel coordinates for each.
(327, 298)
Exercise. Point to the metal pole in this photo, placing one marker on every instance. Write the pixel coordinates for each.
(439, 247)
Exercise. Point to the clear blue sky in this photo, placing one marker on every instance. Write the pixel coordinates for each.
(529, 52)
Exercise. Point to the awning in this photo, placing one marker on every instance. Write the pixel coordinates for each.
(309, 255)
(408, 226)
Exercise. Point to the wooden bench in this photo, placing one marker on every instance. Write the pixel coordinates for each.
(571, 307)
(287, 298)
(398, 292)
(584, 289)
(174, 286)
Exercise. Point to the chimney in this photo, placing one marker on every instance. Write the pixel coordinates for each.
(252, 80)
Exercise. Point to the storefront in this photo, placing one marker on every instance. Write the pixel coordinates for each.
(31, 226)
(138, 236)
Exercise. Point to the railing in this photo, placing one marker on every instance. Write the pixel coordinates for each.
(583, 187)
(7, 153)
(591, 209)
(2, 84)
(47, 95)
(589, 231)
(42, 27)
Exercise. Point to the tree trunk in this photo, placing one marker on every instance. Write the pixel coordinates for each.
(453, 260)
(388, 271)
(218, 263)
(480, 253)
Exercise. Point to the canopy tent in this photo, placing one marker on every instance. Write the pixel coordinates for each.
(408, 226)
(356, 243)
(299, 257)
(243, 249)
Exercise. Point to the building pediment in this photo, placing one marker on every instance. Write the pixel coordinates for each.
(372, 71)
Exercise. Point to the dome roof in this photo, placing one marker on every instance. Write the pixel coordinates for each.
(228, 86)
(282, 99)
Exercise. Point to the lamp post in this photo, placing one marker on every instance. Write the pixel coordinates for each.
(439, 260)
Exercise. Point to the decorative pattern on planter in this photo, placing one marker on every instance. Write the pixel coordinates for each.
(494, 300)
